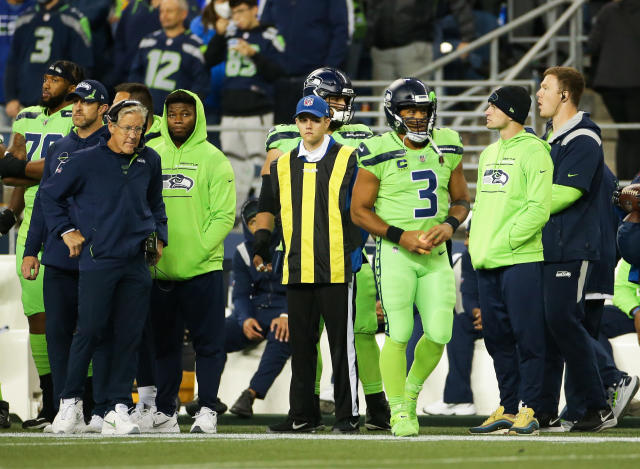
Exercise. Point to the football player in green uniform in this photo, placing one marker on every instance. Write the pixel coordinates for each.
(34, 130)
(335, 88)
(408, 176)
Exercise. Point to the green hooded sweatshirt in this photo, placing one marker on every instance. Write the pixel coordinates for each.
(200, 200)
(513, 202)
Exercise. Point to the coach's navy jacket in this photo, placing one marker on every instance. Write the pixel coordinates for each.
(574, 233)
(56, 253)
(118, 200)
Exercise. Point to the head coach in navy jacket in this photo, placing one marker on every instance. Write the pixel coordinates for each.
(116, 188)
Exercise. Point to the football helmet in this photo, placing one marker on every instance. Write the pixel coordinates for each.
(410, 92)
(326, 82)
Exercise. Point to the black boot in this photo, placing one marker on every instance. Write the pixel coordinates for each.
(48, 413)
(5, 420)
(243, 407)
(378, 412)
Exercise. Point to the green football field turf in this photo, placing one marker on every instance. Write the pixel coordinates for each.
(250, 447)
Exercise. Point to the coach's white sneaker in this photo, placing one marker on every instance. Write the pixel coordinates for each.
(206, 421)
(442, 408)
(163, 423)
(117, 422)
(95, 425)
(143, 418)
(70, 418)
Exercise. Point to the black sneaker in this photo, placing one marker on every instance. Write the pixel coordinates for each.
(35, 424)
(291, 426)
(243, 407)
(5, 420)
(378, 412)
(595, 421)
(193, 407)
(548, 420)
(348, 425)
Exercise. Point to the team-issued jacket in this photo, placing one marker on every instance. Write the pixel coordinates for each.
(117, 199)
(199, 194)
(253, 290)
(55, 252)
(626, 294)
(513, 202)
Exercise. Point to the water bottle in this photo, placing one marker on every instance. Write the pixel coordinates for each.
(502, 16)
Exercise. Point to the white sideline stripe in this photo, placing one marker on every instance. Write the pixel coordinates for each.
(163, 438)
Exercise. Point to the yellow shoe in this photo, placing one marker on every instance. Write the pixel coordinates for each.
(410, 406)
(401, 425)
(496, 424)
(525, 423)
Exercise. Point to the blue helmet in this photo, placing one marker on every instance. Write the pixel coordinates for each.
(405, 93)
(326, 82)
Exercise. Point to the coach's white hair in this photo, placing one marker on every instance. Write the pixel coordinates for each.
(183, 4)
(132, 110)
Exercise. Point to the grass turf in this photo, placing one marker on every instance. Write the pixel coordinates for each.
(245, 446)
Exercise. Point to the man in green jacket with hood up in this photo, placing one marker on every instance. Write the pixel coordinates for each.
(200, 199)
(513, 202)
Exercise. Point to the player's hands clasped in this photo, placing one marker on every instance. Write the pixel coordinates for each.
(415, 241)
(439, 234)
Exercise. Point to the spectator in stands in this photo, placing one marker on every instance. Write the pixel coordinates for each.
(9, 12)
(253, 54)
(401, 33)
(317, 35)
(46, 32)
(615, 48)
(188, 288)
(467, 328)
(259, 313)
(97, 13)
(170, 58)
(114, 283)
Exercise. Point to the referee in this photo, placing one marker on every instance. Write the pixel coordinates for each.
(311, 192)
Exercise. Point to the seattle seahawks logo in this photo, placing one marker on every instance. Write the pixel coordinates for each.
(495, 176)
(176, 181)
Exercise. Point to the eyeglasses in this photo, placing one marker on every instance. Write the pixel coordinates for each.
(128, 129)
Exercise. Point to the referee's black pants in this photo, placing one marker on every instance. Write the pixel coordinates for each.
(306, 304)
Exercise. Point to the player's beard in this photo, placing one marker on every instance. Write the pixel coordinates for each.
(53, 102)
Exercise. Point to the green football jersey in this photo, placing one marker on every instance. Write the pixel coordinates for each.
(285, 137)
(40, 131)
(413, 192)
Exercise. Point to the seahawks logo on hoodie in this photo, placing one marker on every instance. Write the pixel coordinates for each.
(176, 181)
(495, 176)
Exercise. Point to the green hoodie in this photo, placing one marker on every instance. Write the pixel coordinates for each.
(513, 202)
(626, 294)
(200, 200)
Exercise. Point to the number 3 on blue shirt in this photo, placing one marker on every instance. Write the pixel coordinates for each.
(428, 193)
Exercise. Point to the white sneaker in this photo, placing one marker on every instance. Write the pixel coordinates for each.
(206, 421)
(143, 418)
(95, 425)
(48, 429)
(117, 422)
(163, 423)
(70, 418)
(442, 408)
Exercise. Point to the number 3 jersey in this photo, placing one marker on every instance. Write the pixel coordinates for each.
(40, 131)
(413, 192)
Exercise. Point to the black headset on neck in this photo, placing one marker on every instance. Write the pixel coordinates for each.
(114, 110)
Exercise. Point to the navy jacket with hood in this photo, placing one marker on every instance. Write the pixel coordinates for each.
(56, 253)
(576, 150)
(118, 201)
(253, 290)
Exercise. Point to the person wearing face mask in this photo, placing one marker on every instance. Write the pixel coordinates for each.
(253, 53)
(408, 175)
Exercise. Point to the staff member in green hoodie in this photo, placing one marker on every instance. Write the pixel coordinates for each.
(200, 199)
(513, 202)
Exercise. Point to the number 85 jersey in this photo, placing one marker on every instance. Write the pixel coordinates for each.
(413, 192)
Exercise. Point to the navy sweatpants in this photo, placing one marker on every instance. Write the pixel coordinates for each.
(457, 387)
(112, 309)
(275, 354)
(196, 304)
(511, 300)
(568, 341)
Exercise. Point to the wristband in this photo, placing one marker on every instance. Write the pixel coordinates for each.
(634, 312)
(453, 222)
(461, 203)
(394, 233)
(284, 315)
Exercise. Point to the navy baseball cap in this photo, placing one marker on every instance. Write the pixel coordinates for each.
(314, 105)
(92, 91)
